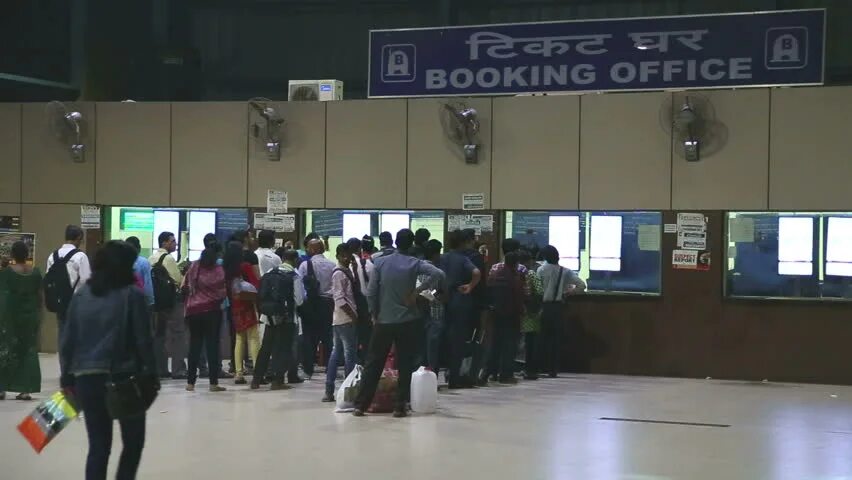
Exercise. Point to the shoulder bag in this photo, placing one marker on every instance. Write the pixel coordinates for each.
(132, 396)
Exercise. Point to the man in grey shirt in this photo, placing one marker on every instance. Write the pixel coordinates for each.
(392, 295)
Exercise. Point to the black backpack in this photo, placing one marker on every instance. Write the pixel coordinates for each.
(276, 296)
(57, 283)
(362, 309)
(165, 289)
(312, 284)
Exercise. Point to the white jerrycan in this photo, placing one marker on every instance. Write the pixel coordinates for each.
(424, 391)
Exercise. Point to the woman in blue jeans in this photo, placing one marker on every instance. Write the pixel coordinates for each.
(343, 321)
(107, 337)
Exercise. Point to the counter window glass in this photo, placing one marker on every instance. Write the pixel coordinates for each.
(189, 225)
(341, 225)
(806, 255)
(614, 252)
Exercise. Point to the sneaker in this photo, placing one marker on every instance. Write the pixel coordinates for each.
(217, 388)
(400, 414)
(240, 380)
(327, 398)
(358, 413)
(190, 388)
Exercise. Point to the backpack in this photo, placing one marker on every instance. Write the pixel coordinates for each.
(165, 289)
(362, 309)
(507, 292)
(312, 284)
(57, 283)
(276, 297)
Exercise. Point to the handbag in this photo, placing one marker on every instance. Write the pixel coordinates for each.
(132, 396)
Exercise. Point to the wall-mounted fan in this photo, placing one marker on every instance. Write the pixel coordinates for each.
(461, 126)
(69, 127)
(691, 120)
(267, 126)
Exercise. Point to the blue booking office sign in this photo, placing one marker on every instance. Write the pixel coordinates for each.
(703, 51)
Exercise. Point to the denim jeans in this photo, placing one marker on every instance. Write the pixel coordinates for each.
(345, 343)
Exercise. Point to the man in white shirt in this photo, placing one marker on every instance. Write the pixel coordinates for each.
(77, 265)
(266, 257)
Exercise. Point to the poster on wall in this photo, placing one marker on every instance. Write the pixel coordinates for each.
(648, 238)
(10, 223)
(8, 239)
(691, 260)
(473, 201)
(276, 223)
(90, 217)
(276, 201)
(691, 231)
(478, 223)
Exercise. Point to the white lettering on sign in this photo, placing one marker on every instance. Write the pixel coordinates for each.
(501, 46)
(648, 71)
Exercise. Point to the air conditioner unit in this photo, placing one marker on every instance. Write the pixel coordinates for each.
(308, 90)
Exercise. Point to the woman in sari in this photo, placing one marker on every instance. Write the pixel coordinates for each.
(20, 306)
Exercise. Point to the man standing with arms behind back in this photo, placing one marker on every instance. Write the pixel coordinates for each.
(61, 283)
(392, 295)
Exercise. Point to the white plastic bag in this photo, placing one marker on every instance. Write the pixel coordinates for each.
(424, 391)
(348, 391)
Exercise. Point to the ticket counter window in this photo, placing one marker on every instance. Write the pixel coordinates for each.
(341, 225)
(189, 226)
(789, 255)
(614, 252)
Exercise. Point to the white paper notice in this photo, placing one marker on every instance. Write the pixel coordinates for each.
(473, 201)
(690, 220)
(454, 222)
(741, 229)
(486, 222)
(276, 201)
(90, 217)
(276, 223)
(670, 228)
(649, 237)
(289, 222)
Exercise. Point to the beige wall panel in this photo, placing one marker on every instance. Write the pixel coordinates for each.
(10, 209)
(133, 139)
(536, 143)
(437, 172)
(302, 167)
(48, 223)
(209, 148)
(49, 174)
(10, 152)
(809, 162)
(736, 176)
(366, 154)
(625, 155)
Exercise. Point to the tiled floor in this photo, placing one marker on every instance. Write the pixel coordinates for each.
(549, 429)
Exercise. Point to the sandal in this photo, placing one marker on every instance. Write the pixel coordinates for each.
(24, 396)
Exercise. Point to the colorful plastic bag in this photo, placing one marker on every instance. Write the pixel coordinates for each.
(48, 419)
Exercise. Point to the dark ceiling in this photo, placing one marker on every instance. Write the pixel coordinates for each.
(237, 49)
